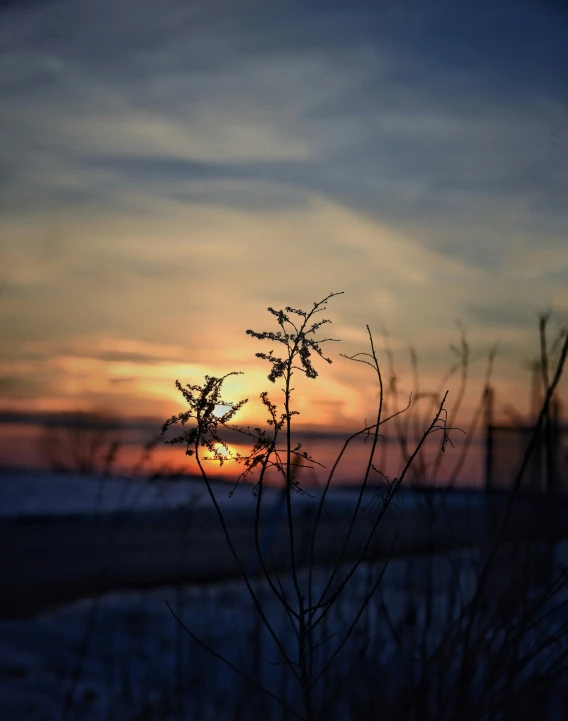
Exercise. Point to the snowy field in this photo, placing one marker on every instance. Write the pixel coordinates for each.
(122, 533)
(123, 657)
(44, 494)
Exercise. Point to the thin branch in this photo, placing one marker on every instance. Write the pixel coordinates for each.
(232, 666)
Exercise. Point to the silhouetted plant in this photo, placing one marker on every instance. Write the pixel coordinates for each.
(481, 665)
(298, 334)
(503, 652)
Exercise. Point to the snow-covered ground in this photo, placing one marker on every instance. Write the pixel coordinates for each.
(45, 494)
(124, 657)
(135, 653)
(145, 533)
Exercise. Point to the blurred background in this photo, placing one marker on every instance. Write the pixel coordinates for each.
(170, 170)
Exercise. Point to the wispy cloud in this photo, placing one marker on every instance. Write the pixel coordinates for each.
(168, 171)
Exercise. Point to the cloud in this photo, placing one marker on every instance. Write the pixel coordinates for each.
(216, 114)
(168, 172)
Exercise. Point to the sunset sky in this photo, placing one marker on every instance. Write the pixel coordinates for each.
(170, 169)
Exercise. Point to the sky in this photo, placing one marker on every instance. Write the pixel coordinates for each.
(169, 170)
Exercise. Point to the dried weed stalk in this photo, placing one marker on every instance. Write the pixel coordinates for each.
(273, 449)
